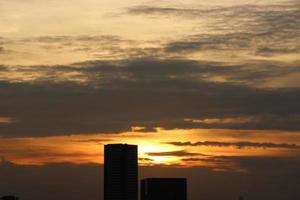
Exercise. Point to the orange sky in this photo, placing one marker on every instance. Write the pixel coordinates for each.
(153, 147)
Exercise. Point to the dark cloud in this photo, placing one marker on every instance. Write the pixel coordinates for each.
(162, 71)
(115, 96)
(173, 153)
(243, 144)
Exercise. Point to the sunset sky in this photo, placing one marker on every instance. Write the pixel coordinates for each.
(212, 86)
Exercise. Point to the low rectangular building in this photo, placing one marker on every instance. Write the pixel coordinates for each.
(164, 189)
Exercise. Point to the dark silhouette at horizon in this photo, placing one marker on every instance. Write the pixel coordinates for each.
(9, 197)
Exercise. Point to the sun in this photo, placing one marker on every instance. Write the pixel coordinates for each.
(147, 159)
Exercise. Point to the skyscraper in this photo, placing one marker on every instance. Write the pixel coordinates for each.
(163, 189)
(120, 172)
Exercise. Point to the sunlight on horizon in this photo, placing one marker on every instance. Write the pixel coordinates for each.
(152, 150)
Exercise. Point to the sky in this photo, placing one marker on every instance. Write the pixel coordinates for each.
(209, 90)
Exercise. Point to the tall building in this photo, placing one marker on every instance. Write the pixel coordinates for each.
(164, 189)
(120, 172)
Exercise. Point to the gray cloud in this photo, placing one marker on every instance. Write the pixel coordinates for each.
(243, 144)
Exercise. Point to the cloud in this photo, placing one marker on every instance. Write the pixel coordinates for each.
(242, 144)
(237, 120)
(95, 140)
(48, 50)
(145, 159)
(181, 153)
(244, 121)
(253, 30)
(249, 44)
(247, 164)
(148, 10)
(143, 129)
(70, 39)
(114, 96)
(6, 120)
(3, 68)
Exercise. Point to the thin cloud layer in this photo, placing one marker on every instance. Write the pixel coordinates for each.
(181, 153)
(240, 145)
(252, 31)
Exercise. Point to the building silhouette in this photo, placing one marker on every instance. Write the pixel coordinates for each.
(164, 189)
(9, 198)
(120, 172)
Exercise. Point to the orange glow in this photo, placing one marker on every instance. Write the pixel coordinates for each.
(153, 148)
